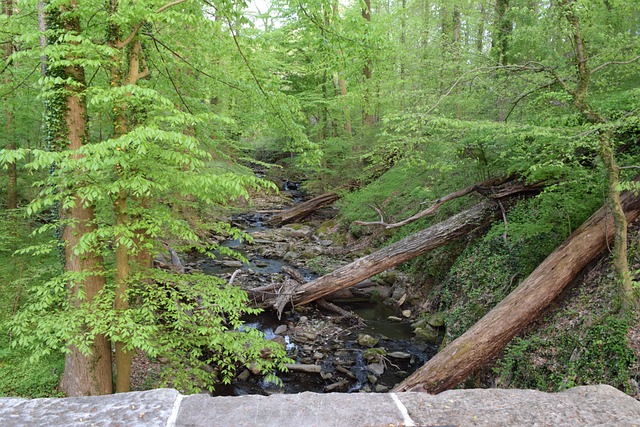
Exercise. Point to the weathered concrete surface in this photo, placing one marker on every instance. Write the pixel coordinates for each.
(139, 409)
(582, 406)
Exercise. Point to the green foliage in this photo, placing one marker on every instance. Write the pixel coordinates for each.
(20, 376)
(554, 360)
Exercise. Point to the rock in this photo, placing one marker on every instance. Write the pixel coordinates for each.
(345, 371)
(311, 336)
(381, 388)
(296, 230)
(291, 256)
(394, 319)
(366, 340)
(427, 333)
(317, 355)
(280, 330)
(232, 263)
(406, 313)
(303, 319)
(334, 386)
(326, 375)
(244, 375)
(398, 292)
(377, 368)
(372, 378)
(374, 354)
(399, 355)
(436, 320)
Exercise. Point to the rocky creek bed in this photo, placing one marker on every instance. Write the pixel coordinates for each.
(331, 352)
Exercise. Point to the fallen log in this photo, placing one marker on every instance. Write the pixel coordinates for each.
(494, 331)
(308, 369)
(396, 253)
(301, 211)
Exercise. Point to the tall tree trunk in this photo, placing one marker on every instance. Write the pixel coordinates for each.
(499, 47)
(342, 83)
(12, 169)
(607, 154)
(84, 374)
(368, 116)
(123, 357)
(493, 332)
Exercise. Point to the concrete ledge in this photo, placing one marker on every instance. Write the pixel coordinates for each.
(582, 406)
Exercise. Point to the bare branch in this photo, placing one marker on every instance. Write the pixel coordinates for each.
(606, 64)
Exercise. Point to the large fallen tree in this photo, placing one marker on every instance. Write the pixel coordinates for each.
(394, 254)
(494, 331)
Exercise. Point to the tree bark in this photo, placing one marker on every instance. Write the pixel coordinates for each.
(305, 209)
(607, 154)
(12, 169)
(493, 332)
(89, 374)
(396, 253)
(368, 118)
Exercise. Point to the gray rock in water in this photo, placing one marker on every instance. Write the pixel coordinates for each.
(280, 330)
(399, 355)
(377, 368)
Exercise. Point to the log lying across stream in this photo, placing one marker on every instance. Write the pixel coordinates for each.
(304, 209)
(396, 253)
(494, 331)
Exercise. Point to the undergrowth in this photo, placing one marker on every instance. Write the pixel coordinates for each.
(19, 376)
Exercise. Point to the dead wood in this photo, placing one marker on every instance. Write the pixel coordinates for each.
(308, 369)
(301, 211)
(322, 303)
(495, 188)
(394, 254)
(493, 332)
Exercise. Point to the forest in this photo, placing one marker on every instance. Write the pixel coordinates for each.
(476, 159)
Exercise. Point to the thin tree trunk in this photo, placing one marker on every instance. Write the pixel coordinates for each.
(123, 357)
(12, 169)
(368, 117)
(607, 154)
(493, 332)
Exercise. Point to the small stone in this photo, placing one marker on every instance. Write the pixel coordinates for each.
(381, 388)
(280, 330)
(326, 375)
(317, 355)
(345, 371)
(394, 319)
(244, 375)
(232, 264)
(406, 313)
(377, 368)
(337, 385)
(311, 336)
(372, 378)
(399, 355)
(303, 319)
(366, 340)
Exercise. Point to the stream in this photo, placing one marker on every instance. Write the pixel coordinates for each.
(331, 353)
